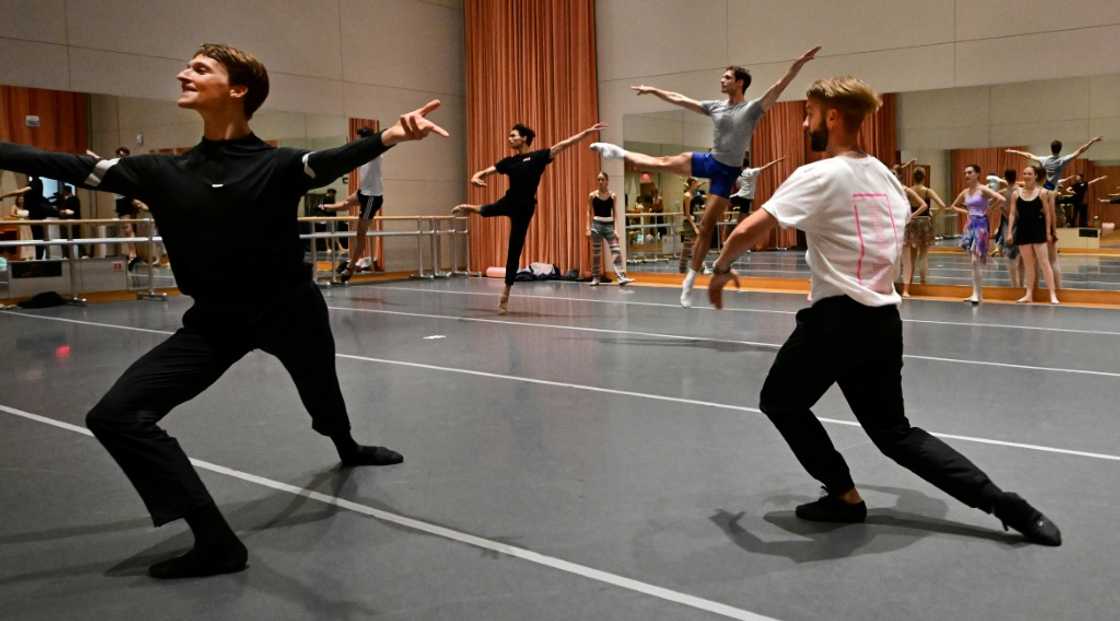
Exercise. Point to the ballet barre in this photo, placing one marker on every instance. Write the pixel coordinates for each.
(430, 227)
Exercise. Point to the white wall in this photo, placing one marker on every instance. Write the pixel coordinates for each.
(356, 58)
(1026, 113)
(896, 45)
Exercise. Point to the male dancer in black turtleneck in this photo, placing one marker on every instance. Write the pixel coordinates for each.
(203, 201)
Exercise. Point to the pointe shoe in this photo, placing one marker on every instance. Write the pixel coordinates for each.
(503, 305)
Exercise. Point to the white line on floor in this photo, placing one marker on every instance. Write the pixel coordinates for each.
(955, 324)
(624, 393)
(590, 573)
(681, 337)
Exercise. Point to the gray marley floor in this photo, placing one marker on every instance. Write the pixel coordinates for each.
(595, 454)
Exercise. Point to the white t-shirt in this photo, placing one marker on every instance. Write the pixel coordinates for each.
(369, 178)
(747, 179)
(854, 214)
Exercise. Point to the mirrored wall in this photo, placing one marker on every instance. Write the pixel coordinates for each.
(941, 131)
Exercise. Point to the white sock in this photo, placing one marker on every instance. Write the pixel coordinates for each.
(608, 151)
(689, 279)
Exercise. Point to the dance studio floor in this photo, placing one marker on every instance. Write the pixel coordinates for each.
(595, 454)
(1078, 271)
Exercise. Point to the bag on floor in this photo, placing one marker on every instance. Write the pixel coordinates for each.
(46, 299)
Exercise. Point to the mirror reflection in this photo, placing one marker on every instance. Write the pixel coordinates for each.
(1001, 130)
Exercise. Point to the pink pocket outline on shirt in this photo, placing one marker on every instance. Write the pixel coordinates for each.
(878, 238)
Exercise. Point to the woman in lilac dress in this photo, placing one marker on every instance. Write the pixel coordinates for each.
(978, 200)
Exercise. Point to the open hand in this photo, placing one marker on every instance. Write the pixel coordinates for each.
(642, 89)
(716, 285)
(414, 125)
(807, 56)
(477, 180)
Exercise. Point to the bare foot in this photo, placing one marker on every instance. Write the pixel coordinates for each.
(1026, 299)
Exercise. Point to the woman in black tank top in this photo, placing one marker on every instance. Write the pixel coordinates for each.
(1030, 226)
(600, 229)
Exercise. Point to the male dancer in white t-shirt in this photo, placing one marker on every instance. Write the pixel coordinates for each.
(854, 212)
(369, 198)
(733, 121)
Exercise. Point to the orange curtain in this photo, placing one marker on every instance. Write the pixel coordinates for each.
(64, 118)
(375, 248)
(780, 134)
(533, 62)
(992, 161)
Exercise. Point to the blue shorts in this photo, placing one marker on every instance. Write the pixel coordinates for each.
(721, 177)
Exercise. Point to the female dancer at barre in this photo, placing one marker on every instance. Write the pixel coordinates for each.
(977, 200)
(1030, 227)
(524, 169)
(602, 204)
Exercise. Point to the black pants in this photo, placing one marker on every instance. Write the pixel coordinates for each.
(1081, 215)
(294, 327)
(840, 341)
(38, 231)
(519, 214)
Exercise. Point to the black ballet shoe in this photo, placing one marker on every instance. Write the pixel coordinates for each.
(199, 564)
(832, 509)
(371, 456)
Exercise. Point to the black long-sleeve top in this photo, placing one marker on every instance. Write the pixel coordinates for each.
(226, 209)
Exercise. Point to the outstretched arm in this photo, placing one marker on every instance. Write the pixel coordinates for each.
(769, 164)
(121, 176)
(1101, 178)
(749, 232)
(771, 96)
(478, 176)
(346, 203)
(1029, 156)
(322, 167)
(898, 168)
(571, 140)
(1085, 147)
(671, 97)
(18, 192)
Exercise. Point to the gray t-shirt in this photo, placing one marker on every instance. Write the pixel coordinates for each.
(734, 125)
(747, 179)
(1053, 165)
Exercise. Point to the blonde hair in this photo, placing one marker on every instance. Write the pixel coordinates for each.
(852, 97)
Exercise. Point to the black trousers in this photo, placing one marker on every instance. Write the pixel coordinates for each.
(1081, 215)
(840, 341)
(520, 215)
(293, 326)
(39, 232)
